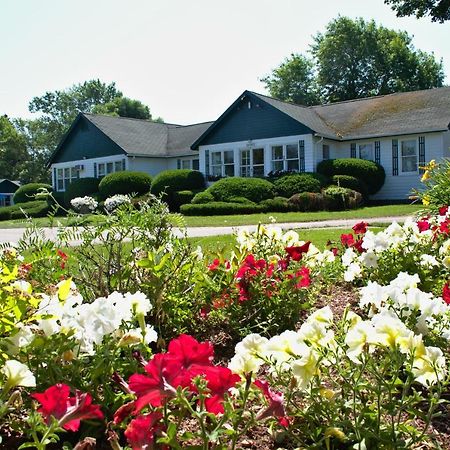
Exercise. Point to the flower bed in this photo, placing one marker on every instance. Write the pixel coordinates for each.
(133, 339)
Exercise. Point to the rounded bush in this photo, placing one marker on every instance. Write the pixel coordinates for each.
(277, 204)
(339, 198)
(347, 181)
(27, 192)
(254, 189)
(289, 185)
(36, 208)
(170, 181)
(125, 183)
(240, 200)
(307, 202)
(181, 198)
(368, 171)
(202, 197)
(81, 188)
(220, 209)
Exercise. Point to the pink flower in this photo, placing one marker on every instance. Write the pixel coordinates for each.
(275, 399)
(69, 411)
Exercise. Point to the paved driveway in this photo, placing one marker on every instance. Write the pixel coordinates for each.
(14, 234)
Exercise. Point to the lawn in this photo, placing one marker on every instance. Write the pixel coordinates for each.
(235, 220)
(253, 219)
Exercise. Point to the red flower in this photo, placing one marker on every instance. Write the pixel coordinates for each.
(357, 245)
(443, 210)
(251, 267)
(296, 253)
(219, 380)
(214, 265)
(275, 399)
(347, 240)
(303, 278)
(123, 412)
(56, 402)
(62, 255)
(423, 225)
(360, 228)
(446, 293)
(188, 351)
(141, 432)
(444, 227)
(335, 251)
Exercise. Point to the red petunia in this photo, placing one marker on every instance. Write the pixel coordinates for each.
(302, 277)
(188, 351)
(357, 245)
(214, 265)
(347, 240)
(360, 228)
(141, 432)
(250, 267)
(423, 225)
(275, 399)
(443, 210)
(444, 227)
(296, 252)
(446, 293)
(69, 411)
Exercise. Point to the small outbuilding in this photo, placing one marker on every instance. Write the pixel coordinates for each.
(7, 190)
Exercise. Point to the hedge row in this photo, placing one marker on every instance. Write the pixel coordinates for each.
(27, 192)
(36, 208)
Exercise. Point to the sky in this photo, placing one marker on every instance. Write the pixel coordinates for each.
(187, 60)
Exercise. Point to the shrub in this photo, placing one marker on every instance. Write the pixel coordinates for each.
(5, 213)
(202, 197)
(347, 181)
(289, 185)
(306, 202)
(170, 181)
(37, 208)
(181, 198)
(27, 192)
(82, 187)
(125, 183)
(277, 204)
(241, 200)
(254, 189)
(220, 209)
(338, 198)
(368, 171)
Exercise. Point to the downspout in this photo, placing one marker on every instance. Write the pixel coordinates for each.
(314, 155)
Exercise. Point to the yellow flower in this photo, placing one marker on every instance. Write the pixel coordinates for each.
(426, 176)
(425, 200)
(335, 433)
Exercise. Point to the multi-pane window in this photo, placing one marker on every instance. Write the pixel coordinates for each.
(325, 151)
(285, 157)
(409, 156)
(65, 176)
(252, 162)
(222, 163)
(366, 151)
(110, 167)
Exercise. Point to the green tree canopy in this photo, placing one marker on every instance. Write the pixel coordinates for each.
(294, 81)
(355, 59)
(124, 107)
(438, 10)
(13, 151)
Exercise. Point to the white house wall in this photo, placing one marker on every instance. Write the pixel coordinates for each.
(267, 144)
(152, 166)
(446, 141)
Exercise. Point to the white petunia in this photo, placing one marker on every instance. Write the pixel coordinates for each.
(17, 374)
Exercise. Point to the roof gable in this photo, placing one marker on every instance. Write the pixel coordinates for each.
(251, 116)
(8, 186)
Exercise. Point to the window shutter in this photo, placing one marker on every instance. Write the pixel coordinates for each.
(395, 157)
(301, 156)
(178, 163)
(352, 150)
(95, 170)
(422, 161)
(207, 163)
(55, 181)
(377, 152)
(124, 164)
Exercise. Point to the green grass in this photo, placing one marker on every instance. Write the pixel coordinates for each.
(253, 219)
(319, 237)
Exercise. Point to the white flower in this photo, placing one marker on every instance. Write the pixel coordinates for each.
(373, 295)
(22, 338)
(431, 367)
(115, 201)
(348, 257)
(86, 202)
(305, 367)
(353, 271)
(428, 261)
(17, 374)
(244, 364)
(362, 335)
(23, 286)
(369, 259)
(139, 302)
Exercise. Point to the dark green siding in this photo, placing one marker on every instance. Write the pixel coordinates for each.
(261, 121)
(7, 187)
(86, 141)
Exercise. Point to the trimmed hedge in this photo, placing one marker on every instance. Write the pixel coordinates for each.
(277, 204)
(202, 198)
(347, 181)
(27, 192)
(81, 188)
(339, 198)
(289, 185)
(170, 181)
(36, 208)
(307, 202)
(126, 183)
(254, 189)
(368, 171)
(220, 209)
(182, 198)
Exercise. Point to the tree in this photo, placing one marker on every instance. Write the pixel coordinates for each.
(294, 81)
(13, 150)
(355, 59)
(124, 107)
(438, 10)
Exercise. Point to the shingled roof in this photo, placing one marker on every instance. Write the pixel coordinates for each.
(144, 138)
(385, 115)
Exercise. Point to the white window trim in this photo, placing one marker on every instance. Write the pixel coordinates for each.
(400, 157)
(222, 163)
(70, 178)
(285, 158)
(372, 144)
(251, 165)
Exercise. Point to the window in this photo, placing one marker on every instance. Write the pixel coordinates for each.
(118, 166)
(285, 157)
(195, 164)
(110, 167)
(325, 151)
(186, 164)
(101, 170)
(60, 180)
(366, 151)
(65, 176)
(409, 156)
(252, 162)
(222, 163)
